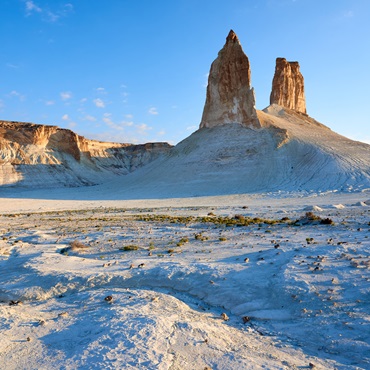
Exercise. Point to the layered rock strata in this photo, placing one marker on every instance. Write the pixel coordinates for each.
(230, 98)
(288, 86)
(40, 155)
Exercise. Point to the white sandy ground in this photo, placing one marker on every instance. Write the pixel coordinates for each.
(308, 301)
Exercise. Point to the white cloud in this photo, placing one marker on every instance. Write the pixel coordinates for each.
(161, 133)
(143, 128)
(32, 7)
(116, 126)
(110, 123)
(206, 79)
(153, 111)
(65, 117)
(72, 124)
(68, 7)
(99, 103)
(66, 95)
(129, 116)
(52, 17)
(101, 90)
(349, 14)
(16, 94)
(50, 102)
(89, 118)
(83, 100)
(46, 13)
(11, 65)
(191, 128)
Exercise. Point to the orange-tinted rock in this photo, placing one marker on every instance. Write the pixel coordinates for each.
(230, 98)
(288, 86)
(42, 155)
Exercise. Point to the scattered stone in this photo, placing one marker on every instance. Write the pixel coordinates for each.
(63, 314)
(108, 298)
(15, 303)
(29, 339)
(224, 317)
(246, 259)
(246, 319)
(141, 265)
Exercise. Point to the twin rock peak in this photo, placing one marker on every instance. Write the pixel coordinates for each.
(230, 97)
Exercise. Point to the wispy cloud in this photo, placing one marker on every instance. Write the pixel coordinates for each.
(89, 118)
(349, 14)
(31, 7)
(17, 94)
(107, 119)
(65, 117)
(99, 103)
(47, 14)
(101, 90)
(50, 102)
(191, 128)
(205, 84)
(66, 95)
(109, 122)
(153, 111)
(143, 128)
(11, 65)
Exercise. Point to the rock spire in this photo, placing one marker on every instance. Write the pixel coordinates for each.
(288, 86)
(230, 98)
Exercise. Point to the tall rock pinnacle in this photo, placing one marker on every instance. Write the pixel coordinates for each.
(288, 86)
(230, 98)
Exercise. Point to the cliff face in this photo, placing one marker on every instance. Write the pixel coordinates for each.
(230, 98)
(39, 155)
(288, 86)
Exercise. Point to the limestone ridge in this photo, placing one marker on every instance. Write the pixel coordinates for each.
(45, 156)
(288, 86)
(230, 98)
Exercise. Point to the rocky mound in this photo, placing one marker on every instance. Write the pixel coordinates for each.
(289, 153)
(37, 156)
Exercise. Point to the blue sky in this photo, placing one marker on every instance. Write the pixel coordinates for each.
(136, 70)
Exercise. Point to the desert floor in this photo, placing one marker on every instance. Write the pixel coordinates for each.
(230, 282)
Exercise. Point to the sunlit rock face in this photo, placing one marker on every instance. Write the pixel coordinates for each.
(230, 98)
(288, 86)
(34, 155)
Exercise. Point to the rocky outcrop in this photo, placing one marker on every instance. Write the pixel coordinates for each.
(40, 155)
(288, 86)
(230, 98)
